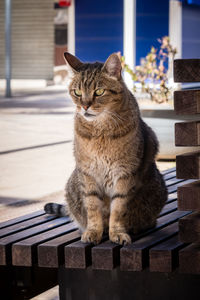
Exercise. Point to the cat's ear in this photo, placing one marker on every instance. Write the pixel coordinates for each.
(113, 66)
(73, 62)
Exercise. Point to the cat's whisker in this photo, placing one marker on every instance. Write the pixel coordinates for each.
(116, 115)
(113, 117)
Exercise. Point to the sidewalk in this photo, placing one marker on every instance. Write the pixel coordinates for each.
(35, 151)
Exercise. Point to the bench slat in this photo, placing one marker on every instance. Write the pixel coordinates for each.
(189, 259)
(21, 219)
(172, 197)
(189, 228)
(164, 256)
(173, 188)
(187, 70)
(189, 196)
(51, 253)
(169, 175)
(25, 225)
(172, 181)
(168, 171)
(168, 208)
(187, 133)
(188, 165)
(78, 255)
(105, 256)
(24, 253)
(187, 102)
(6, 242)
(134, 257)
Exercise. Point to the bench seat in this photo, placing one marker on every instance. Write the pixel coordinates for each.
(38, 251)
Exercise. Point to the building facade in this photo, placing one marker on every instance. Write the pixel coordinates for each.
(32, 39)
(101, 27)
(95, 29)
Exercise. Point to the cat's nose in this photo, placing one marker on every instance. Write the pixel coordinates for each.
(86, 106)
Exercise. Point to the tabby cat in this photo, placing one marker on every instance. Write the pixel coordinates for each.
(116, 186)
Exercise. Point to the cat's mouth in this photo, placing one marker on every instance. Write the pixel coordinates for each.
(88, 115)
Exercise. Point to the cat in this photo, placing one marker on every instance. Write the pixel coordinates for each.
(115, 186)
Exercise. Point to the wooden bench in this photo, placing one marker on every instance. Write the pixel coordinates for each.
(38, 251)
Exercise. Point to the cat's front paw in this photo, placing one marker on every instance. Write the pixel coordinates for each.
(91, 236)
(121, 238)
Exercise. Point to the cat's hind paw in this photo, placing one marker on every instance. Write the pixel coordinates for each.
(120, 238)
(91, 236)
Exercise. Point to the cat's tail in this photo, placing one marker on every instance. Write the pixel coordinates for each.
(59, 210)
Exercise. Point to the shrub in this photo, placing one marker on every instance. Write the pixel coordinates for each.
(152, 73)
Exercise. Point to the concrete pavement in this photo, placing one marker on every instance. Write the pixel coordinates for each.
(36, 133)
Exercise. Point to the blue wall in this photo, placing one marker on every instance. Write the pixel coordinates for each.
(151, 24)
(99, 28)
(191, 31)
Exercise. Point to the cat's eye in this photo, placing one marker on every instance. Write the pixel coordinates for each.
(78, 92)
(99, 92)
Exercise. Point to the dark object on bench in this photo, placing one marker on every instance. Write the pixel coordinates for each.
(39, 251)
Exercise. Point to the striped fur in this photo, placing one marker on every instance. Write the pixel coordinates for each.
(56, 209)
(115, 186)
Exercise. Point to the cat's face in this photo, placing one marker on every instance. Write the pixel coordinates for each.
(95, 88)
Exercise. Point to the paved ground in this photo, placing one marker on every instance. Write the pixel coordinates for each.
(35, 151)
(36, 134)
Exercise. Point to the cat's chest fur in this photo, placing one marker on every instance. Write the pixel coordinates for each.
(103, 159)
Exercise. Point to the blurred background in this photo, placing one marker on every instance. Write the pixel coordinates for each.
(36, 113)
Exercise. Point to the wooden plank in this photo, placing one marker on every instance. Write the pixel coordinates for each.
(168, 171)
(170, 218)
(21, 219)
(135, 257)
(51, 253)
(189, 228)
(105, 256)
(189, 196)
(173, 188)
(187, 70)
(168, 208)
(24, 253)
(172, 197)
(189, 259)
(78, 255)
(6, 242)
(169, 175)
(187, 133)
(188, 165)
(187, 102)
(164, 256)
(173, 181)
(25, 225)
